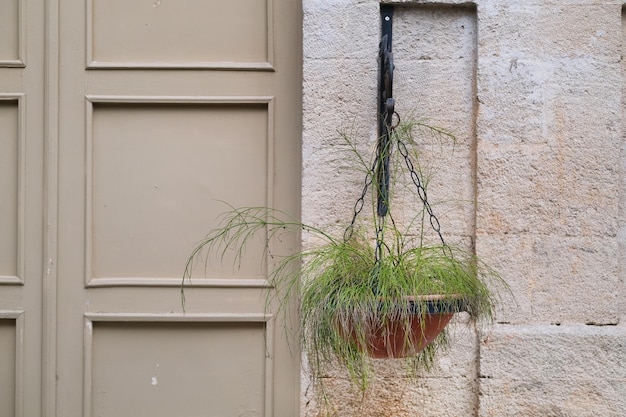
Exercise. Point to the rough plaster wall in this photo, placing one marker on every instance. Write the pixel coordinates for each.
(532, 89)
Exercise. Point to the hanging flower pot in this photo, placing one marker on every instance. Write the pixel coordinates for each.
(389, 295)
(396, 335)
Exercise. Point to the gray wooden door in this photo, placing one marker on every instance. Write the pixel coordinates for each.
(143, 117)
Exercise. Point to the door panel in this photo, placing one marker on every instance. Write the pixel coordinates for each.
(11, 174)
(166, 110)
(21, 206)
(12, 33)
(179, 368)
(189, 33)
(129, 241)
(8, 360)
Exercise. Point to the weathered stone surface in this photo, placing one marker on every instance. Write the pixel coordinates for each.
(553, 371)
(533, 91)
(550, 30)
(398, 397)
(556, 279)
(575, 195)
(549, 169)
(344, 29)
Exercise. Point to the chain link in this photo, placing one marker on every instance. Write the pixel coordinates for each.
(358, 206)
(421, 191)
(379, 243)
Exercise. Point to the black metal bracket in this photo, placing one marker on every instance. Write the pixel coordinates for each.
(385, 108)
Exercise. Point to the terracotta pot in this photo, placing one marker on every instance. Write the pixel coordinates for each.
(389, 339)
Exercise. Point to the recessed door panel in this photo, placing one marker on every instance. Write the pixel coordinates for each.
(178, 368)
(7, 367)
(162, 33)
(9, 189)
(160, 175)
(9, 32)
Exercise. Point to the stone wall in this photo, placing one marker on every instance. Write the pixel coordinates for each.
(532, 90)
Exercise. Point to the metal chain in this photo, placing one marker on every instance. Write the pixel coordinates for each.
(358, 206)
(421, 191)
(379, 243)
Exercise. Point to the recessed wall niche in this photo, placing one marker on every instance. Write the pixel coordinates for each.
(435, 57)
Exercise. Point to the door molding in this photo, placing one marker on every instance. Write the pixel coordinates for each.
(20, 101)
(18, 317)
(90, 318)
(51, 200)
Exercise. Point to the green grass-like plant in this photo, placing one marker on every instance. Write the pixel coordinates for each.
(358, 281)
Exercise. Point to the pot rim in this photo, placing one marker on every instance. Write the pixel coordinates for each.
(435, 304)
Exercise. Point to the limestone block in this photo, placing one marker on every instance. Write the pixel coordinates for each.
(434, 54)
(548, 149)
(438, 92)
(434, 33)
(343, 29)
(341, 95)
(555, 279)
(531, 101)
(553, 371)
(543, 29)
(538, 189)
(397, 397)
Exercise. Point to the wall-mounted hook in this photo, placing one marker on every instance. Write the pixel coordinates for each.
(386, 105)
